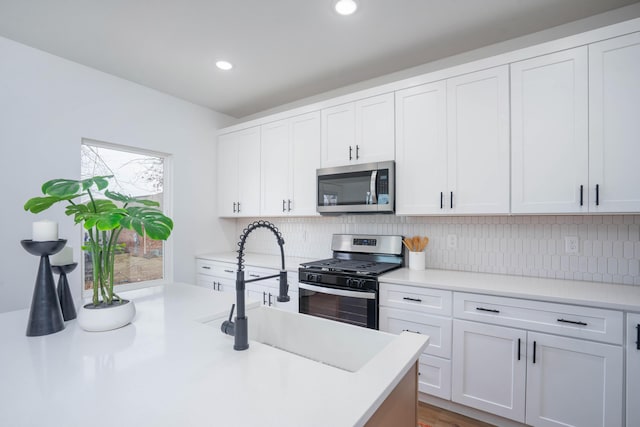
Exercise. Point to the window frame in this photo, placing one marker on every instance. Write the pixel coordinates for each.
(167, 209)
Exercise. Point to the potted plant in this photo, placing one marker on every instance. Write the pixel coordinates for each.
(103, 220)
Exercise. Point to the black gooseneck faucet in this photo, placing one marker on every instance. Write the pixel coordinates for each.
(239, 328)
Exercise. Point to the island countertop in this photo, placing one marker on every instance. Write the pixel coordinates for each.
(169, 368)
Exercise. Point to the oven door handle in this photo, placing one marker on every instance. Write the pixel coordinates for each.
(338, 292)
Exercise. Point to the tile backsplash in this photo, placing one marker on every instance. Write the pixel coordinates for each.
(608, 245)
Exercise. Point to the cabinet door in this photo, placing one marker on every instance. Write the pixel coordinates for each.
(489, 368)
(549, 133)
(421, 149)
(227, 174)
(573, 382)
(375, 130)
(248, 173)
(305, 159)
(338, 135)
(478, 142)
(633, 370)
(275, 161)
(614, 102)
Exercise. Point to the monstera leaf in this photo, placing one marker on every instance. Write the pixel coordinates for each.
(148, 221)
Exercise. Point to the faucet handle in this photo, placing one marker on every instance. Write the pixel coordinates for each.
(228, 326)
(233, 307)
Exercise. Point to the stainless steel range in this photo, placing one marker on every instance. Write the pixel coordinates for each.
(345, 287)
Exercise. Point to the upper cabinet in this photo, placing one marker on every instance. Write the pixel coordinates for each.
(452, 145)
(290, 155)
(239, 173)
(549, 143)
(575, 131)
(614, 127)
(358, 132)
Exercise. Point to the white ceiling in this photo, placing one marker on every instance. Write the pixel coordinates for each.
(283, 50)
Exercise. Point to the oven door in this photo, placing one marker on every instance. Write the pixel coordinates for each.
(344, 305)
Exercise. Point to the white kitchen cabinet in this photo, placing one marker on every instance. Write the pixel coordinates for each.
(290, 155)
(421, 149)
(358, 132)
(452, 145)
(489, 368)
(549, 128)
(267, 290)
(424, 311)
(217, 276)
(614, 128)
(573, 382)
(239, 173)
(502, 363)
(633, 369)
(478, 142)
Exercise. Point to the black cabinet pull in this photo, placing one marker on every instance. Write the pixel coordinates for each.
(357, 152)
(350, 151)
(597, 194)
(534, 352)
(441, 200)
(409, 330)
(288, 205)
(234, 207)
(264, 298)
(581, 191)
(238, 207)
(228, 271)
(206, 267)
(283, 205)
(573, 322)
(490, 310)
(412, 299)
(270, 299)
(451, 200)
(638, 337)
(518, 348)
(254, 275)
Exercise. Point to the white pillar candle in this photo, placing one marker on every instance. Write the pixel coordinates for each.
(64, 257)
(45, 231)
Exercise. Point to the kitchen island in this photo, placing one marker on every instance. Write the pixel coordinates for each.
(173, 367)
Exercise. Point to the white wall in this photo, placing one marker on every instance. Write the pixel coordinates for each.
(47, 106)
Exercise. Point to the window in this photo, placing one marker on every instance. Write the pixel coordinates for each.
(140, 260)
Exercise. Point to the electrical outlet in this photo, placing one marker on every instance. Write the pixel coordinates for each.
(571, 244)
(452, 241)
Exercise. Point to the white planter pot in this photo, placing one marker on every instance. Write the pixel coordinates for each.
(106, 317)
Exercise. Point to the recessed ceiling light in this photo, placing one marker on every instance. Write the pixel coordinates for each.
(224, 65)
(345, 7)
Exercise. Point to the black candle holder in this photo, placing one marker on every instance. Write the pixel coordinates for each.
(64, 294)
(45, 315)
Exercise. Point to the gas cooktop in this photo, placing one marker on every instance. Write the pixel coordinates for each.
(354, 266)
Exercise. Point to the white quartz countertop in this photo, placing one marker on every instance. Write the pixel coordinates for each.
(258, 260)
(168, 368)
(604, 295)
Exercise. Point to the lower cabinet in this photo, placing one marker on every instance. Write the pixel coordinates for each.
(217, 276)
(540, 379)
(633, 370)
(423, 311)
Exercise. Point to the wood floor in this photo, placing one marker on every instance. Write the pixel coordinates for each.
(436, 417)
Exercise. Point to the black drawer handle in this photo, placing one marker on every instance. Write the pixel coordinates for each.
(409, 330)
(451, 201)
(441, 200)
(597, 194)
(573, 322)
(206, 268)
(581, 198)
(534, 352)
(412, 299)
(638, 337)
(490, 310)
(254, 275)
(518, 348)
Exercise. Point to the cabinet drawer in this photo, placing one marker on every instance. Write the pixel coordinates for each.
(561, 319)
(415, 298)
(434, 376)
(214, 268)
(437, 328)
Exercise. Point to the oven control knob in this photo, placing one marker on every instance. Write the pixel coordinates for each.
(312, 277)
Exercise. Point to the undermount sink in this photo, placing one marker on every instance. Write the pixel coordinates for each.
(325, 341)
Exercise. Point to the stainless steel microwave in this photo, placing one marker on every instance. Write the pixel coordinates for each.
(364, 188)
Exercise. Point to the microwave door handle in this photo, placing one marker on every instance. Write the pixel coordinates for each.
(372, 187)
